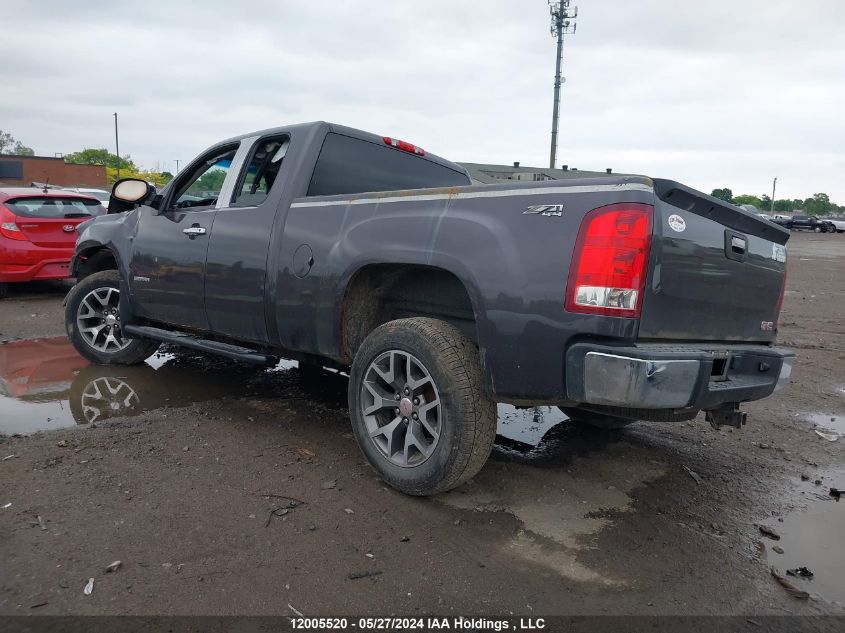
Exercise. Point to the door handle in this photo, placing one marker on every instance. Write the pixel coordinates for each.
(193, 231)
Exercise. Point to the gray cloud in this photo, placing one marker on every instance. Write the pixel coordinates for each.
(713, 95)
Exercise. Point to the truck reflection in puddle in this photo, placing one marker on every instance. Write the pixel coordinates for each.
(45, 384)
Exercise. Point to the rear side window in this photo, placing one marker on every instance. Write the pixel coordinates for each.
(351, 165)
(260, 172)
(55, 207)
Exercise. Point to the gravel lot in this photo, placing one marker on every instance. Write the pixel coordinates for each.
(229, 490)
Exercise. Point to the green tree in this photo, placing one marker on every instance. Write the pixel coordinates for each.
(784, 206)
(91, 156)
(212, 180)
(10, 145)
(819, 204)
(723, 194)
(158, 179)
(747, 199)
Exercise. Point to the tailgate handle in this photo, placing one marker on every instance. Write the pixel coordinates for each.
(736, 245)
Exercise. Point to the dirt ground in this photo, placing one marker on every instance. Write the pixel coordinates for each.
(230, 490)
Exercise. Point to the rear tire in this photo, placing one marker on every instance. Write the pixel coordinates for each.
(430, 373)
(92, 321)
(596, 420)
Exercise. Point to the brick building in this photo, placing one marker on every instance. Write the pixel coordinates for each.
(21, 171)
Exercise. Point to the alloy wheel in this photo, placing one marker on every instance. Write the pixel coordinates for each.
(98, 320)
(401, 408)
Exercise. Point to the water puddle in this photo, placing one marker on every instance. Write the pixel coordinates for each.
(528, 426)
(813, 538)
(45, 384)
(835, 423)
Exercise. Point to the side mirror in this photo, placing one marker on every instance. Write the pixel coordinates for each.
(127, 193)
(130, 190)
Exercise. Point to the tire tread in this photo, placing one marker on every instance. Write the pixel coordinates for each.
(474, 406)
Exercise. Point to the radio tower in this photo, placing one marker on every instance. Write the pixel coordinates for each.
(563, 21)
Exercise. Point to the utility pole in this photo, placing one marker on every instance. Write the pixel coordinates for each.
(774, 186)
(563, 21)
(117, 145)
(177, 166)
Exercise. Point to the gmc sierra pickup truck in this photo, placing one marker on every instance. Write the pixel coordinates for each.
(615, 298)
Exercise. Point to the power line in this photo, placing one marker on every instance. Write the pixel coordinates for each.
(563, 22)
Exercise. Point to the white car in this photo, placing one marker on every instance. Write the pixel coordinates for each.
(839, 224)
(100, 194)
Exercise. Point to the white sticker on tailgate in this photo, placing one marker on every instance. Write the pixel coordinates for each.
(677, 223)
(779, 252)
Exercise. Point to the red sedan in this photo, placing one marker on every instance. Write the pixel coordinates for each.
(38, 232)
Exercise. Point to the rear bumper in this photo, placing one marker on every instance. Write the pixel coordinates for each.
(651, 376)
(25, 261)
(45, 269)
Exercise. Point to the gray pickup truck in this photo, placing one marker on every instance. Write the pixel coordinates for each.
(615, 298)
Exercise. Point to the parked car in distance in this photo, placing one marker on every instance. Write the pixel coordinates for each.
(333, 246)
(38, 232)
(839, 225)
(807, 223)
(100, 194)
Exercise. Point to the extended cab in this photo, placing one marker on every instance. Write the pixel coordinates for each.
(616, 298)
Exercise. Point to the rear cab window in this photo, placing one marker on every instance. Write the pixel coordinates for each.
(55, 207)
(350, 165)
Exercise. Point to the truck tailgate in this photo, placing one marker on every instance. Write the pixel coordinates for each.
(717, 272)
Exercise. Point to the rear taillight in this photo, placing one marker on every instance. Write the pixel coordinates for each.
(8, 227)
(404, 146)
(610, 262)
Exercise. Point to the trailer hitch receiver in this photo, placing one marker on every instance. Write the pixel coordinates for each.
(726, 415)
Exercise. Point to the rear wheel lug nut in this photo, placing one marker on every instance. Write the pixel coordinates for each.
(416, 401)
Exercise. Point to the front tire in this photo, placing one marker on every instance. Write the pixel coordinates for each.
(418, 406)
(92, 321)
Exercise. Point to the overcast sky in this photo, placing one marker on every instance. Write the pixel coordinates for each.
(711, 94)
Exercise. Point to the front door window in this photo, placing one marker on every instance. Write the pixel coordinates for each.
(202, 186)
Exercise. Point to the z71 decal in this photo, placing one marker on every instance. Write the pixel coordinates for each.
(549, 210)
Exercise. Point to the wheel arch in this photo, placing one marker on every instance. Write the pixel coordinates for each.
(94, 257)
(375, 292)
